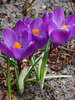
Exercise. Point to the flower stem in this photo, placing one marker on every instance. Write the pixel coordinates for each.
(16, 73)
(19, 63)
(8, 77)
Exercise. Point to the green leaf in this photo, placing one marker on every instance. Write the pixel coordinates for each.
(35, 68)
(11, 61)
(44, 60)
(8, 77)
(57, 76)
(6, 73)
(21, 79)
(16, 72)
(31, 79)
(34, 80)
(30, 69)
(50, 86)
(3, 69)
(29, 61)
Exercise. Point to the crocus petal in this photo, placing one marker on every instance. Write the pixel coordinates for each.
(20, 53)
(70, 20)
(9, 37)
(36, 23)
(51, 26)
(58, 16)
(39, 41)
(19, 27)
(25, 37)
(27, 21)
(5, 49)
(59, 35)
(72, 32)
(29, 49)
(47, 17)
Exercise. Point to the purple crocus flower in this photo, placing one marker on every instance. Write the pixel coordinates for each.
(39, 35)
(17, 43)
(59, 28)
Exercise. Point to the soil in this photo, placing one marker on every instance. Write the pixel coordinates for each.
(60, 62)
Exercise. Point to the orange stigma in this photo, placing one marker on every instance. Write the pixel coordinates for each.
(17, 45)
(36, 31)
(64, 26)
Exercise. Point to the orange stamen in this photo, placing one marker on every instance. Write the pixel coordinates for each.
(17, 45)
(64, 26)
(36, 31)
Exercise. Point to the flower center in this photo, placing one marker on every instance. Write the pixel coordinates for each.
(64, 26)
(35, 31)
(16, 44)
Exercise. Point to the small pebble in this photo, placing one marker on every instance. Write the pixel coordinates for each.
(9, 17)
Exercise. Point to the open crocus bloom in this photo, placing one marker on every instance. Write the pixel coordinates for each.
(39, 35)
(59, 28)
(17, 43)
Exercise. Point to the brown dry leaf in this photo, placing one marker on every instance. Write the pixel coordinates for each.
(53, 72)
(5, 66)
(57, 61)
(53, 55)
(63, 56)
(72, 47)
(13, 97)
(68, 61)
(2, 14)
(51, 62)
(56, 50)
(1, 94)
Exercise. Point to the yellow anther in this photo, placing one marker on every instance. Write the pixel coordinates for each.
(16, 44)
(36, 31)
(64, 26)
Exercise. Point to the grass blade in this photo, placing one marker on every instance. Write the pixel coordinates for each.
(8, 77)
(35, 68)
(16, 72)
(50, 86)
(44, 60)
(30, 69)
(57, 76)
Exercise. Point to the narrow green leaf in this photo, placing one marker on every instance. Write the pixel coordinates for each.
(21, 79)
(8, 77)
(6, 73)
(35, 68)
(16, 72)
(30, 69)
(31, 79)
(11, 61)
(29, 61)
(44, 60)
(34, 80)
(57, 76)
(50, 86)
(3, 69)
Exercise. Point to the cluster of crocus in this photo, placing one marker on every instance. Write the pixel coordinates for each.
(29, 35)
(24, 39)
(59, 28)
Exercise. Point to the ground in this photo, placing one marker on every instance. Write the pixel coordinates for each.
(61, 61)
